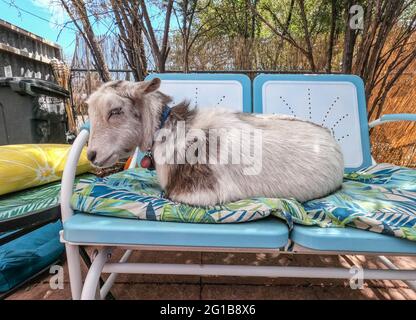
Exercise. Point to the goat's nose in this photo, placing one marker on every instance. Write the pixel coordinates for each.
(91, 155)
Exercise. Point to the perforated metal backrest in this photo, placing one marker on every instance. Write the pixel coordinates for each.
(333, 101)
(232, 91)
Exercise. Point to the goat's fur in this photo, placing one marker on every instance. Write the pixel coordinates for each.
(298, 159)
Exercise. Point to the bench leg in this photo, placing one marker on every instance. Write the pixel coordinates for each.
(91, 284)
(87, 261)
(105, 289)
(74, 268)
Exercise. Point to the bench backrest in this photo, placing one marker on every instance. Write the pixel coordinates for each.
(333, 101)
(336, 102)
(208, 90)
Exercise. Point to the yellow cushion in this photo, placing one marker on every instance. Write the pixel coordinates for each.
(28, 165)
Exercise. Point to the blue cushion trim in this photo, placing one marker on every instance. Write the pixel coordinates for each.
(84, 228)
(350, 240)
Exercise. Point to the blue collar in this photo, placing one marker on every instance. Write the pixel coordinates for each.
(164, 116)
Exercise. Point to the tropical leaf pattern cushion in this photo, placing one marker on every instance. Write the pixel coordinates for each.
(381, 199)
(28, 165)
(31, 200)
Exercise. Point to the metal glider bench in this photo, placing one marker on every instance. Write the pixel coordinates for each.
(317, 98)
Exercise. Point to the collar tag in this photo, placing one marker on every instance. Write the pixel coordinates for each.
(147, 161)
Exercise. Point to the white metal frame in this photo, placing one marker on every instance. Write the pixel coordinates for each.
(89, 289)
(381, 121)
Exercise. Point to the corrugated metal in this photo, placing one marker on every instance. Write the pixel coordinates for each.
(24, 54)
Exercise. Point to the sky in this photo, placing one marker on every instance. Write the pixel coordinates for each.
(44, 19)
(38, 17)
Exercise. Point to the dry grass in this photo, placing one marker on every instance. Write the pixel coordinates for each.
(396, 142)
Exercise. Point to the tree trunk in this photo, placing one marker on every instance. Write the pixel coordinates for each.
(331, 41)
(185, 57)
(349, 41)
(307, 36)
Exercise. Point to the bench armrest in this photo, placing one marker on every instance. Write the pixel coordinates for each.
(392, 118)
(68, 176)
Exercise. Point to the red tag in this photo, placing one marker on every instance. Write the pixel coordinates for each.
(146, 162)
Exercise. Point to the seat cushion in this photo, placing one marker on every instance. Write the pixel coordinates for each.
(85, 228)
(24, 166)
(350, 240)
(136, 194)
(33, 200)
(380, 199)
(25, 256)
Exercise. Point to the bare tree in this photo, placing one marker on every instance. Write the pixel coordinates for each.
(307, 36)
(127, 16)
(186, 12)
(386, 48)
(332, 35)
(288, 21)
(350, 36)
(160, 51)
(77, 11)
(281, 29)
(235, 21)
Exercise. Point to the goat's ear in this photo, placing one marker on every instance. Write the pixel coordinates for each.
(136, 90)
(151, 85)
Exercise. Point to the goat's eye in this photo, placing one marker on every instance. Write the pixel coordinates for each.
(114, 112)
